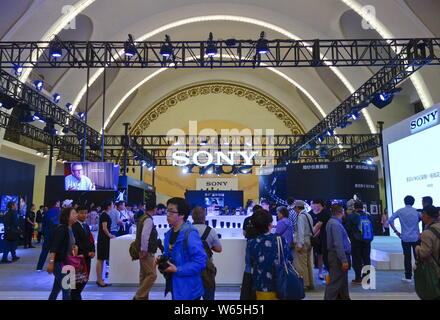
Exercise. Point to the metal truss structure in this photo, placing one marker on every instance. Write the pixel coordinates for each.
(385, 80)
(71, 151)
(44, 107)
(400, 58)
(229, 53)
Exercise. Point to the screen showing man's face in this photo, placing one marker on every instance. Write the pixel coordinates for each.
(77, 171)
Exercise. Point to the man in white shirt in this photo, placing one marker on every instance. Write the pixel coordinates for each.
(76, 181)
(303, 248)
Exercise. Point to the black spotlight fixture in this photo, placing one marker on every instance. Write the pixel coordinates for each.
(18, 70)
(130, 47)
(39, 85)
(320, 139)
(50, 128)
(55, 49)
(39, 117)
(262, 44)
(56, 97)
(167, 49)
(211, 49)
(69, 107)
(329, 132)
(381, 100)
(65, 130)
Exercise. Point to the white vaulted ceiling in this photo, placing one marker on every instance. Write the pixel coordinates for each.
(309, 94)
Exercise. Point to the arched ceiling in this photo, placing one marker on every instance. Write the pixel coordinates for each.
(307, 19)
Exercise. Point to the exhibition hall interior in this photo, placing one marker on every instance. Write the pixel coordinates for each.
(219, 150)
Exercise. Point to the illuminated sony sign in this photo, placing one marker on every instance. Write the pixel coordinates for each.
(182, 158)
(425, 121)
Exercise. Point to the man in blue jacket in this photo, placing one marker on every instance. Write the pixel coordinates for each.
(184, 249)
(50, 220)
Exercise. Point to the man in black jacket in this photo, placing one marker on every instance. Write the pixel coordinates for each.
(86, 246)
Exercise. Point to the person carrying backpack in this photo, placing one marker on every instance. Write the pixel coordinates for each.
(211, 243)
(359, 227)
(144, 248)
(427, 273)
(184, 258)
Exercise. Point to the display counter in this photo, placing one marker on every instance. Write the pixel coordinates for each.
(122, 270)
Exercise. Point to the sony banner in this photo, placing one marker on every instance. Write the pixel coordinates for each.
(217, 184)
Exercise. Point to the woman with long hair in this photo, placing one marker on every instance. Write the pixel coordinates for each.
(104, 237)
(63, 245)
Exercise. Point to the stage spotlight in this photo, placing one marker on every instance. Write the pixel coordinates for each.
(167, 49)
(150, 167)
(383, 99)
(50, 128)
(65, 130)
(129, 47)
(56, 97)
(355, 115)
(369, 161)
(55, 49)
(209, 171)
(18, 70)
(329, 132)
(211, 49)
(262, 44)
(39, 85)
(39, 117)
(38, 153)
(320, 139)
(184, 170)
(203, 142)
(82, 115)
(69, 107)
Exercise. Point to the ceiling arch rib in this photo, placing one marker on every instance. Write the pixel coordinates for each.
(227, 18)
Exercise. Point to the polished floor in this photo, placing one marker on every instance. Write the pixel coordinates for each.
(20, 281)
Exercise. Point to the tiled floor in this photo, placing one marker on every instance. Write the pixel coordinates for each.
(20, 281)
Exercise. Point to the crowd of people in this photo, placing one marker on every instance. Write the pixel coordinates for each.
(329, 236)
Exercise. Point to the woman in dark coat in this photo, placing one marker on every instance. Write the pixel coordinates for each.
(63, 245)
(104, 237)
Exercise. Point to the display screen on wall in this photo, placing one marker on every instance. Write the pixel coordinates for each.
(273, 187)
(5, 200)
(414, 164)
(334, 180)
(89, 176)
(231, 199)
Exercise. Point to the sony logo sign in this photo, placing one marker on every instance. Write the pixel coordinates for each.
(215, 184)
(424, 121)
(182, 158)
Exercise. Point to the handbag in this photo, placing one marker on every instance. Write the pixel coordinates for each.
(80, 266)
(289, 285)
(426, 280)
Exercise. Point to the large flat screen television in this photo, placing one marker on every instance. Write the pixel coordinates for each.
(90, 176)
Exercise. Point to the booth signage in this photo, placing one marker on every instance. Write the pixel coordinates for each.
(182, 158)
(425, 121)
(217, 184)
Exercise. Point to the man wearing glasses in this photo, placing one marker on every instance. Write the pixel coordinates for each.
(184, 254)
(76, 181)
